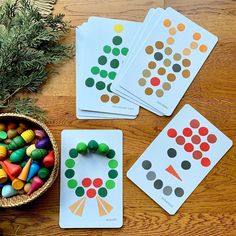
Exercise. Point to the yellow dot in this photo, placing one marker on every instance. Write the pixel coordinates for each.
(193, 45)
(172, 31)
(181, 27)
(203, 48)
(186, 51)
(196, 36)
(170, 41)
(149, 49)
(167, 23)
(118, 28)
(161, 71)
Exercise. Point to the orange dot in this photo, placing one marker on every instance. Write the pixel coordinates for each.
(193, 45)
(186, 51)
(203, 48)
(170, 41)
(172, 31)
(181, 27)
(196, 36)
(115, 99)
(167, 23)
(104, 98)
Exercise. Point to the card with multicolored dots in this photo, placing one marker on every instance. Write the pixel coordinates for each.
(91, 185)
(106, 45)
(167, 62)
(179, 159)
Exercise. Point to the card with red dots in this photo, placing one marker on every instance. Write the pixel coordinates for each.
(179, 159)
(167, 61)
(91, 186)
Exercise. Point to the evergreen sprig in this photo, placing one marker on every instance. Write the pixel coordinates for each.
(29, 43)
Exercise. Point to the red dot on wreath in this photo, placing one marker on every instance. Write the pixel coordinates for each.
(211, 138)
(204, 146)
(180, 140)
(172, 133)
(203, 131)
(155, 81)
(97, 183)
(188, 147)
(187, 132)
(194, 123)
(197, 154)
(205, 162)
(91, 192)
(86, 182)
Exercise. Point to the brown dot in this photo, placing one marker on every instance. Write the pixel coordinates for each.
(170, 40)
(148, 91)
(142, 82)
(186, 73)
(161, 71)
(186, 51)
(193, 45)
(181, 27)
(167, 62)
(186, 62)
(159, 93)
(146, 73)
(196, 36)
(167, 23)
(177, 56)
(203, 48)
(168, 51)
(152, 65)
(172, 31)
(149, 49)
(104, 98)
(115, 99)
(166, 86)
(171, 77)
(159, 45)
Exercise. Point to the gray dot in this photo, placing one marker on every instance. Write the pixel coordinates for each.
(176, 68)
(167, 190)
(146, 165)
(158, 56)
(158, 184)
(171, 152)
(151, 175)
(179, 192)
(186, 165)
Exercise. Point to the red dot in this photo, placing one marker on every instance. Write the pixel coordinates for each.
(86, 182)
(204, 146)
(155, 81)
(172, 133)
(188, 147)
(180, 140)
(205, 162)
(211, 138)
(196, 139)
(197, 155)
(97, 183)
(91, 192)
(187, 132)
(194, 123)
(203, 131)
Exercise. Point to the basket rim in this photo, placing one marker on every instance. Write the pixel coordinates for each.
(19, 200)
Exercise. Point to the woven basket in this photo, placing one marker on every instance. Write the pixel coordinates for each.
(23, 199)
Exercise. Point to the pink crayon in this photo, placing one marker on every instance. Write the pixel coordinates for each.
(36, 184)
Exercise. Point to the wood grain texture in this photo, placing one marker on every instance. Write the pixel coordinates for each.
(211, 209)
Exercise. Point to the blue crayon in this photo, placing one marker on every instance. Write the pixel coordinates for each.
(34, 168)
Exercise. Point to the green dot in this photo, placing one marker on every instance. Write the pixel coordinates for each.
(117, 40)
(112, 174)
(112, 75)
(109, 88)
(124, 51)
(102, 60)
(114, 63)
(72, 183)
(73, 153)
(89, 82)
(113, 164)
(107, 49)
(110, 184)
(116, 51)
(70, 163)
(111, 154)
(102, 192)
(100, 85)
(95, 70)
(103, 73)
(69, 173)
(79, 191)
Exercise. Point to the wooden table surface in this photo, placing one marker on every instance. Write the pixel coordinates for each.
(211, 209)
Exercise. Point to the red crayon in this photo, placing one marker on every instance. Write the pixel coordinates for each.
(48, 161)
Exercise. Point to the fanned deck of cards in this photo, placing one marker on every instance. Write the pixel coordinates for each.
(122, 65)
(179, 159)
(91, 186)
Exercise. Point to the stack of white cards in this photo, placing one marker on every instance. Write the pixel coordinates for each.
(122, 65)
